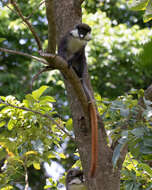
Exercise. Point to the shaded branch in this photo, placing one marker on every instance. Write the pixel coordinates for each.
(39, 113)
(25, 20)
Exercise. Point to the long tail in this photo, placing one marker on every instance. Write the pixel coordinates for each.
(94, 149)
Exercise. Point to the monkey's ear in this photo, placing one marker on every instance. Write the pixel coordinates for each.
(75, 33)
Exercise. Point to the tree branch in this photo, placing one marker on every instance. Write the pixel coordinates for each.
(24, 54)
(39, 113)
(25, 20)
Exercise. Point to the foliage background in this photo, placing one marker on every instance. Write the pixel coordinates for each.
(115, 67)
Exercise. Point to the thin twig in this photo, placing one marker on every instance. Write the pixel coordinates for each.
(6, 4)
(26, 175)
(39, 113)
(19, 12)
(24, 54)
(37, 75)
(35, 8)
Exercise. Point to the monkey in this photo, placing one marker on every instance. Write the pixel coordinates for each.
(75, 180)
(72, 49)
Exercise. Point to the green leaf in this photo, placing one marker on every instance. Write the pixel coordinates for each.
(36, 165)
(116, 154)
(69, 125)
(146, 168)
(148, 12)
(146, 150)
(138, 132)
(138, 5)
(46, 99)
(129, 186)
(61, 155)
(47, 186)
(3, 98)
(37, 93)
(10, 124)
(29, 101)
(124, 112)
(117, 151)
(51, 155)
(9, 187)
(2, 123)
(148, 141)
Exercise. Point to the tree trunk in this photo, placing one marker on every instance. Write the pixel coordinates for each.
(67, 14)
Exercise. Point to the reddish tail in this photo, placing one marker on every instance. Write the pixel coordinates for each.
(94, 149)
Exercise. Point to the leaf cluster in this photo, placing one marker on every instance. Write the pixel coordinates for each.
(27, 137)
(126, 129)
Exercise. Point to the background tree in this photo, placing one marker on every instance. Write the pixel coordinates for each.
(125, 122)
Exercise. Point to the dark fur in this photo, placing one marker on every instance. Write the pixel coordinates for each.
(76, 60)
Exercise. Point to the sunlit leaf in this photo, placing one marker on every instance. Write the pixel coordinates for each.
(51, 155)
(30, 152)
(2, 123)
(10, 124)
(36, 165)
(148, 12)
(47, 186)
(69, 125)
(62, 155)
(46, 99)
(37, 93)
(9, 187)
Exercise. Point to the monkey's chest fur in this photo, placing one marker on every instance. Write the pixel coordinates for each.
(74, 45)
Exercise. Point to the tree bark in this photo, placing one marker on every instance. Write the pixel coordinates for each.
(67, 14)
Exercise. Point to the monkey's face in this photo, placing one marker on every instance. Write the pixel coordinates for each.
(79, 37)
(82, 32)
